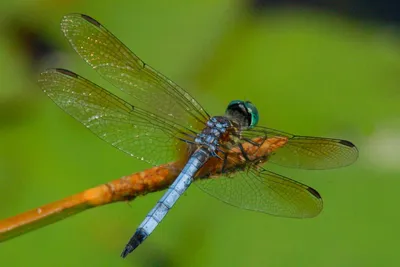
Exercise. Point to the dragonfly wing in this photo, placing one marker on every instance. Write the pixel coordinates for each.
(307, 152)
(118, 65)
(264, 191)
(130, 129)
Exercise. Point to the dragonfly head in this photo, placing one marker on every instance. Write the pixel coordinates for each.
(243, 112)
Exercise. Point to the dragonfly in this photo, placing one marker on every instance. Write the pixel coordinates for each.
(157, 121)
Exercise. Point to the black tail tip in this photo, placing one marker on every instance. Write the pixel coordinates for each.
(128, 249)
(139, 236)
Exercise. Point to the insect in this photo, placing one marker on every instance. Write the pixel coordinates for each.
(161, 122)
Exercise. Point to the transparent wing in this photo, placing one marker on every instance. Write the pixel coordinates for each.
(265, 191)
(132, 130)
(307, 152)
(118, 65)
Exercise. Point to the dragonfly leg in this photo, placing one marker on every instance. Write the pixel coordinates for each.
(254, 143)
(225, 160)
(243, 152)
(214, 154)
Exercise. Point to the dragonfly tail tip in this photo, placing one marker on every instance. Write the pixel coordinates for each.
(128, 249)
(139, 236)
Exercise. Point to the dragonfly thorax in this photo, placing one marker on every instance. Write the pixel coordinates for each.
(209, 137)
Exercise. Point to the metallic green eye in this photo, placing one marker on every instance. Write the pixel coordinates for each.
(253, 112)
(244, 112)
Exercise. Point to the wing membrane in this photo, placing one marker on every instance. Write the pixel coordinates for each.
(132, 130)
(308, 152)
(118, 65)
(264, 191)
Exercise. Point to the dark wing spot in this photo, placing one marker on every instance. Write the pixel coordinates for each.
(346, 143)
(91, 20)
(314, 192)
(67, 72)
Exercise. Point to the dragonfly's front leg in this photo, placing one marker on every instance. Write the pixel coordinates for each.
(255, 143)
(237, 141)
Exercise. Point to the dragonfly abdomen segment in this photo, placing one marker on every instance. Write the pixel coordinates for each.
(181, 183)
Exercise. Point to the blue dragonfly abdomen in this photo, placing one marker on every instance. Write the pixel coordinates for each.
(178, 187)
(208, 146)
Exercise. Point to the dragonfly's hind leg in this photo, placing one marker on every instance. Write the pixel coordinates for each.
(223, 157)
(225, 160)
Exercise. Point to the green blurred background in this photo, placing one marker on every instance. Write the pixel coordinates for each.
(309, 71)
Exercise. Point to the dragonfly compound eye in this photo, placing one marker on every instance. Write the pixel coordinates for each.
(243, 112)
(252, 110)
